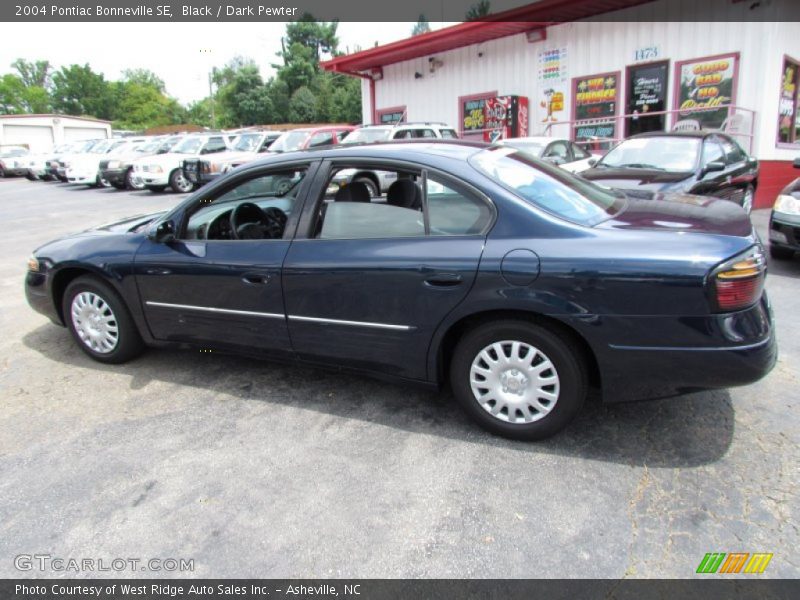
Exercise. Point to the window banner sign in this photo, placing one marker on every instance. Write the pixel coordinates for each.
(704, 83)
(595, 105)
(473, 118)
(788, 114)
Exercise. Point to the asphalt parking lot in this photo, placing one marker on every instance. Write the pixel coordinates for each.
(257, 469)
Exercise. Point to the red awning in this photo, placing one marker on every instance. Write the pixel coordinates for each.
(519, 20)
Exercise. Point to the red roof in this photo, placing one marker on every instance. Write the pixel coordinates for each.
(519, 20)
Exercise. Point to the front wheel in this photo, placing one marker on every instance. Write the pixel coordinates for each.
(517, 379)
(131, 182)
(179, 183)
(100, 321)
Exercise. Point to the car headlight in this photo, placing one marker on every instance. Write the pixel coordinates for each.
(33, 264)
(155, 169)
(787, 204)
(114, 164)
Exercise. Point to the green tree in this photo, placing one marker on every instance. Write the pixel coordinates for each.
(303, 106)
(77, 90)
(422, 26)
(144, 77)
(300, 68)
(33, 73)
(278, 93)
(17, 98)
(199, 113)
(320, 37)
(346, 100)
(478, 10)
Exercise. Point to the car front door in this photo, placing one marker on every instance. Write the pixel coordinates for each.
(365, 284)
(205, 286)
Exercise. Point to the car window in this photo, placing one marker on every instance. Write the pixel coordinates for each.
(549, 187)
(214, 144)
(712, 151)
(448, 134)
(268, 200)
(557, 150)
(323, 138)
(424, 133)
(732, 150)
(453, 212)
(340, 135)
(403, 134)
(579, 153)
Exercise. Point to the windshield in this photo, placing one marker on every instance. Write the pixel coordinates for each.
(248, 142)
(664, 153)
(190, 145)
(100, 148)
(13, 152)
(367, 136)
(150, 147)
(291, 140)
(548, 187)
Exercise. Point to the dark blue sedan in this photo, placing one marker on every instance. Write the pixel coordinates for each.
(516, 282)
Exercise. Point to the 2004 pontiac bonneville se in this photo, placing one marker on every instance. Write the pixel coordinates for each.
(521, 284)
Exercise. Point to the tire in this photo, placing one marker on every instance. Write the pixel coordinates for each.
(747, 199)
(780, 253)
(564, 379)
(156, 188)
(129, 183)
(179, 183)
(113, 338)
(2, 171)
(101, 183)
(371, 187)
(119, 186)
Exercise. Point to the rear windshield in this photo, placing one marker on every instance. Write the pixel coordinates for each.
(367, 136)
(553, 189)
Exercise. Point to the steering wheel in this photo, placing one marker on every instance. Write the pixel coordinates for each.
(250, 222)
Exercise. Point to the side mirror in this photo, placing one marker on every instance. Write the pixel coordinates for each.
(592, 162)
(165, 232)
(796, 163)
(713, 167)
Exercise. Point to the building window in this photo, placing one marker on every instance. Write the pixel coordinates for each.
(388, 116)
(703, 83)
(788, 113)
(471, 114)
(595, 106)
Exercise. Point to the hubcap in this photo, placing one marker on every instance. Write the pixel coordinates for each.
(184, 185)
(94, 322)
(514, 382)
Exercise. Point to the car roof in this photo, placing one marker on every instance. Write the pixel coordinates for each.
(401, 150)
(535, 139)
(698, 133)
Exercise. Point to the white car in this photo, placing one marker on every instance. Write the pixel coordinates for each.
(158, 172)
(247, 147)
(378, 182)
(85, 168)
(13, 161)
(559, 151)
(38, 163)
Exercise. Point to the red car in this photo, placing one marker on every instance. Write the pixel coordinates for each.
(310, 137)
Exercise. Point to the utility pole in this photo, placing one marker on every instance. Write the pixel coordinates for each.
(211, 97)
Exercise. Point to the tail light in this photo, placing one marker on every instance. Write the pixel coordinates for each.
(738, 282)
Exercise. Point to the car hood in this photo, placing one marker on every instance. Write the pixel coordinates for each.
(636, 179)
(683, 213)
(228, 156)
(792, 189)
(129, 225)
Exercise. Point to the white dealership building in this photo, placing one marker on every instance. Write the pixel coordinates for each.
(40, 133)
(600, 70)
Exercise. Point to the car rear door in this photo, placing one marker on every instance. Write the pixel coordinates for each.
(366, 286)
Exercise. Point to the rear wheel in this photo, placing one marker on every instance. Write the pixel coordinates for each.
(100, 321)
(779, 253)
(517, 379)
(179, 183)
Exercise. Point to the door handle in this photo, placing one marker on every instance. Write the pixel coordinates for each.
(158, 271)
(443, 280)
(256, 278)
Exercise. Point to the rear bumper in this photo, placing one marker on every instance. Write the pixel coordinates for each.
(784, 231)
(736, 349)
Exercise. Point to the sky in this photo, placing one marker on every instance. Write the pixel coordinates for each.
(171, 50)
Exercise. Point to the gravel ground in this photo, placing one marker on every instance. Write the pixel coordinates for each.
(256, 469)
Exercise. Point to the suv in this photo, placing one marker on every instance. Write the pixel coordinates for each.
(247, 147)
(118, 171)
(162, 170)
(378, 182)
